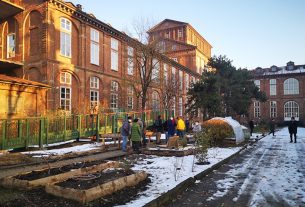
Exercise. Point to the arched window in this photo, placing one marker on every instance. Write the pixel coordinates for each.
(65, 37)
(65, 91)
(155, 101)
(291, 86)
(130, 97)
(11, 38)
(291, 109)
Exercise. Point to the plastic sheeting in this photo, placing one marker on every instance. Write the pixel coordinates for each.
(237, 128)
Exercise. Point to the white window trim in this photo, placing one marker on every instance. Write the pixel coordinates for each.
(66, 87)
(114, 52)
(94, 45)
(97, 98)
(291, 86)
(9, 53)
(66, 74)
(272, 86)
(64, 33)
(257, 109)
(289, 114)
(94, 81)
(273, 114)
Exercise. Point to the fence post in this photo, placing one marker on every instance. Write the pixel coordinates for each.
(97, 127)
(79, 125)
(47, 130)
(19, 128)
(27, 124)
(41, 133)
(65, 127)
(3, 134)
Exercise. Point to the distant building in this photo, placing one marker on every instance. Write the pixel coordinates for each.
(87, 63)
(181, 42)
(285, 89)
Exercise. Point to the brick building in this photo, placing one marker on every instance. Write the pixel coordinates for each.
(181, 42)
(285, 90)
(85, 61)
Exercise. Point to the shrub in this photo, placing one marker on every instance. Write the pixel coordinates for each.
(202, 145)
(217, 130)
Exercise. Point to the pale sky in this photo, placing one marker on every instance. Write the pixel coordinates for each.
(252, 33)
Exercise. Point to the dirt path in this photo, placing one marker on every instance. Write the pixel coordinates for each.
(23, 169)
(270, 173)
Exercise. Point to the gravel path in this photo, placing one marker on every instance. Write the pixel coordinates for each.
(269, 173)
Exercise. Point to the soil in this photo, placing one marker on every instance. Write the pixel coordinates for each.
(95, 179)
(38, 198)
(37, 174)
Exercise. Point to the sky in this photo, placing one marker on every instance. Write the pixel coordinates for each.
(251, 33)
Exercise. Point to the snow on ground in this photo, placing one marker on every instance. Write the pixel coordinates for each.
(79, 148)
(274, 172)
(162, 172)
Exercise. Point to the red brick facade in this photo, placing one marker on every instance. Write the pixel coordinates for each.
(287, 91)
(43, 32)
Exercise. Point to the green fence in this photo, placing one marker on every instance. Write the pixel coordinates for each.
(40, 131)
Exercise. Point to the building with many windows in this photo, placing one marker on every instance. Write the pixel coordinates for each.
(86, 63)
(181, 42)
(285, 89)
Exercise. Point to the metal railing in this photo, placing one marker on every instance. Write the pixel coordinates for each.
(41, 131)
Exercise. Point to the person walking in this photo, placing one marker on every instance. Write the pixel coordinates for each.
(272, 127)
(158, 125)
(125, 132)
(136, 136)
(251, 126)
(293, 129)
(180, 127)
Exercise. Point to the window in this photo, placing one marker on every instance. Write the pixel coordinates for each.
(180, 34)
(65, 91)
(155, 101)
(257, 83)
(130, 97)
(65, 37)
(65, 78)
(94, 93)
(272, 87)
(114, 97)
(167, 34)
(173, 75)
(130, 61)
(273, 113)
(187, 82)
(291, 109)
(114, 54)
(291, 86)
(180, 106)
(257, 111)
(11, 45)
(94, 46)
(174, 106)
(180, 80)
(65, 98)
(165, 74)
(155, 74)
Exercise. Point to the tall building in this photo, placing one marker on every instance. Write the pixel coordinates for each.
(181, 42)
(285, 90)
(85, 62)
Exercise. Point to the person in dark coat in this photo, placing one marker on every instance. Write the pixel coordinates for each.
(272, 127)
(158, 125)
(251, 126)
(171, 127)
(293, 129)
(136, 135)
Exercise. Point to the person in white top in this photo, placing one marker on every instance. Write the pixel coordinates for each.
(196, 127)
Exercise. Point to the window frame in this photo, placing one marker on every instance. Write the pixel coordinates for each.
(273, 109)
(114, 54)
(257, 109)
(291, 110)
(65, 37)
(10, 53)
(94, 47)
(291, 86)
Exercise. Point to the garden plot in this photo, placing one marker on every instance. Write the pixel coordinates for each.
(45, 176)
(89, 187)
(162, 150)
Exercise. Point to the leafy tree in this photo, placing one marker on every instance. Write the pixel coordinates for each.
(224, 90)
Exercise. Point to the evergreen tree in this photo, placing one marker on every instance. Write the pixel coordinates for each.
(224, 91)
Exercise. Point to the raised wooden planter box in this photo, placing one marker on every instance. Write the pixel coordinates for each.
(84, 196)
(12, 182)
(167, 152)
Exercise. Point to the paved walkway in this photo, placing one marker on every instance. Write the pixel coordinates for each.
(269, 173)
(100, 156)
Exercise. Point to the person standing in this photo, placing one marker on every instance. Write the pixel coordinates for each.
(293, 129)
(170, 127)
(272, 127)
(180, 127)
(125, 132)
(196, 127)
(158, 125)
(251, 126)
(141, 124)
(136, 136)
